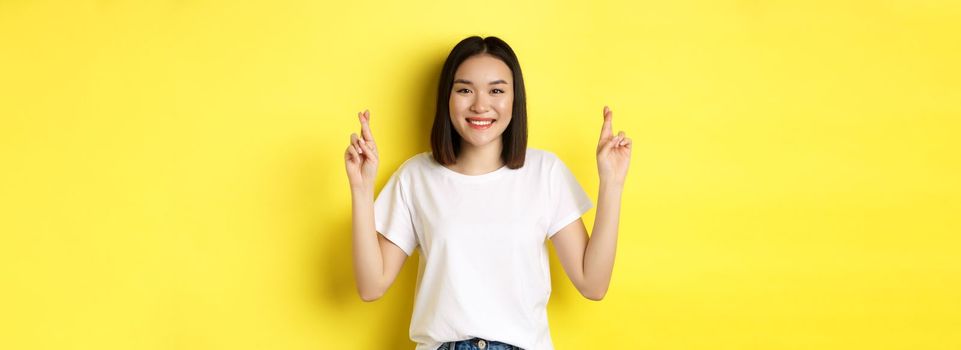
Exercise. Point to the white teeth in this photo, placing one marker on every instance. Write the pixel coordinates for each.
(480, 122)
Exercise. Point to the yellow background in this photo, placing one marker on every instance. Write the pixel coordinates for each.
(172, 171)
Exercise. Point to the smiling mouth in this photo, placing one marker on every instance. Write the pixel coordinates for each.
(481, 122)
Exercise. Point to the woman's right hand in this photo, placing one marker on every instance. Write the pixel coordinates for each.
(361, 157)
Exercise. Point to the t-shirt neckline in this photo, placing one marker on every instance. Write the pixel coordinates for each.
(473, 178)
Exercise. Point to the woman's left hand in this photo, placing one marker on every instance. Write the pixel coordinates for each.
(613, 153)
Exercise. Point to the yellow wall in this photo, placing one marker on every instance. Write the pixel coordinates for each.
(172, 172)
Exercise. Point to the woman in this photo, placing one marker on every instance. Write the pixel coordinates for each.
(480, 207)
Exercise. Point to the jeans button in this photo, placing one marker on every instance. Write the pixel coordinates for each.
(482, 344)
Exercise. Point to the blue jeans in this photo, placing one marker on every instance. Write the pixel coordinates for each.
(477, 344)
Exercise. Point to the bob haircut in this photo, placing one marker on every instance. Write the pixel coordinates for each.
(444, 139)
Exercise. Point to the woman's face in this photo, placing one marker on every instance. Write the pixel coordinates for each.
(482, 99)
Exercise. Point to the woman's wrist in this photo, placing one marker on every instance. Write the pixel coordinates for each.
(611, 182)
(362, 191)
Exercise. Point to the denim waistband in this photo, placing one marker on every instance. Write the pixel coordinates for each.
(477, 344)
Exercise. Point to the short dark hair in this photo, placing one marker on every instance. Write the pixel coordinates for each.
(444, 140)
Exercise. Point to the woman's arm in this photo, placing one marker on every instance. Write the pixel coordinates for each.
(377, 261)
(589, 261)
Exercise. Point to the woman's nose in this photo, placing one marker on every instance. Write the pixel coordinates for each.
(479, 105)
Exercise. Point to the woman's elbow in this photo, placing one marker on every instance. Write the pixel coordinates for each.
(370, 294)
(369, 297)
(595, 295)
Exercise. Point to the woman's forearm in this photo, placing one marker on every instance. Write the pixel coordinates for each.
(368, 260)
(602, 246)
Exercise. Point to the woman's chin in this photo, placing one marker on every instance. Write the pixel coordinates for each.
(480, 143)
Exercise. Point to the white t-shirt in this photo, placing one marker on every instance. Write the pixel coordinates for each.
(484, 269)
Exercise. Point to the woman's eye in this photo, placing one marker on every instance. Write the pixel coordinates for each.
(463, 91)
(497, 91)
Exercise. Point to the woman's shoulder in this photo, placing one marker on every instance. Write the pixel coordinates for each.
(415, 163)
(415, 160)
(541, 157)
(537, 153)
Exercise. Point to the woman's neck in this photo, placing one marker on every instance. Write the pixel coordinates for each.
(474, 160)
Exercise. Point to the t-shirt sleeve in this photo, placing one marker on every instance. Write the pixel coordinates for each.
(392, 215)
(569, 200)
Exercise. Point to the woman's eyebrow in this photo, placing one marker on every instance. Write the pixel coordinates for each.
(468, 82)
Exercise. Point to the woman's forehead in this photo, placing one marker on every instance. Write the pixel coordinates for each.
(483, 69)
